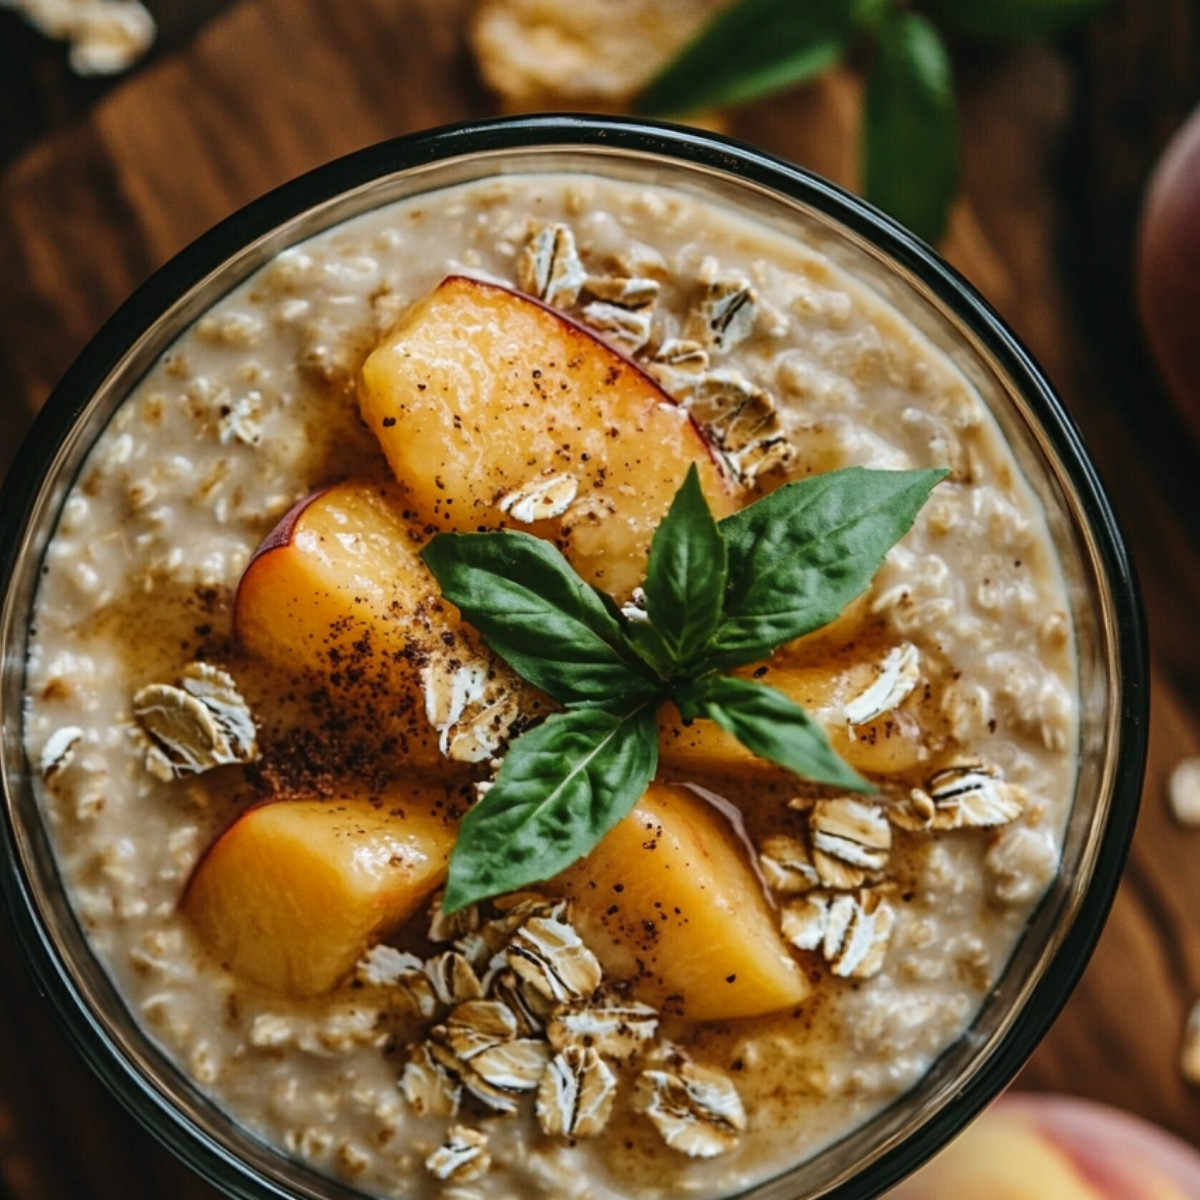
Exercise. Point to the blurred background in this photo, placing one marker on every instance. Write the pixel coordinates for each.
(104, 175)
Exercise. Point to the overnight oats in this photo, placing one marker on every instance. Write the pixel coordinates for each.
(448, 538)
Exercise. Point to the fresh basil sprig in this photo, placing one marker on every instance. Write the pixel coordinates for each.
(908, 149)
(774, 45)
(910, 125)
(718, 594)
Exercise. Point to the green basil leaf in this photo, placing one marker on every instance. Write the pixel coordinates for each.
(686, 572)
(799, 555)
(748, 50)
(532, 609)
(649, 646)
(910, 126)
(561, 787)
(772, 725)
(1013, 19)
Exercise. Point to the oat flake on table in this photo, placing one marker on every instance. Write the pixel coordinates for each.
(1183, 791)
(106, 36)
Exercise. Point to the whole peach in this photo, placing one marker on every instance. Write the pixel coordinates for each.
(1168, 268)
(1044, 1147)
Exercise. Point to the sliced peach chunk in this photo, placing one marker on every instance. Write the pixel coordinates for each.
(495, 410)
(338, 590)
(669, 900)
(294, 892)
(889, 745)
(823, 672)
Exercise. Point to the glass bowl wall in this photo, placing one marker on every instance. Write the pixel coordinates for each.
(1108, 627)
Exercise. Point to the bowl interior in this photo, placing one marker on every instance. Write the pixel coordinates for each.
(1107, 629)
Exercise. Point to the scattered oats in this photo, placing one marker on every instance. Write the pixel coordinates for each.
(59, 751)
(725, 314)
(242, 330)
(635, 609)
(514, 1066)
(505, 1103)
(530, 1011)
(385, 966)
(503, 1100)
(1020, 864)
(575, 1094)
(451, 927)
(1189, 1054)
(513, 911)
(740, 419)
(341, 1029)
(540, 499)
(899, 674)
(550, 268)
(786, 864)
(241, 420)
(851, 930)
(430, 1089)
(520, 906)
(269, 1031)
(217, 691)
(681, 354)
(612, 1027)
(453, 978)
(352, 1159)
(106, 36)
(966, 795)
(472, 705)
(849, 838)
(202, 725)
(623, 291)
(629, 328)
(463, 1156)
(551, 957)
(475, 1026)
(1183, 792)
(203, 1063)
(696, 1109)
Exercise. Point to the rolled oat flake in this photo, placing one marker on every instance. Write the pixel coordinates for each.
(1183, 791)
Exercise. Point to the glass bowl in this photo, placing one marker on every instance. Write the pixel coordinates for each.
(1109, 633)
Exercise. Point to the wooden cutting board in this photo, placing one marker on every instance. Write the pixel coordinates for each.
(274, 87)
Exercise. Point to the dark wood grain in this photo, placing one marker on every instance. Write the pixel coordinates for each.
(40, 94)
(1058, 143)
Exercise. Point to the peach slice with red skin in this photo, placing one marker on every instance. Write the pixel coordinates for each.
(294, 892)
(337, 590)
(480, 396)
(669, 900)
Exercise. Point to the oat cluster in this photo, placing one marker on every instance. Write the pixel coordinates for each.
(513, 1005)
(736, 416)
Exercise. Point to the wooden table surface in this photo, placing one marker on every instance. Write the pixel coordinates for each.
(1058, 143)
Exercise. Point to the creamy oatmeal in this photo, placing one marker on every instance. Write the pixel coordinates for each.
(501, 1052)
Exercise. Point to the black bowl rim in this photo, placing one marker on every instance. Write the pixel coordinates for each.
(742, 161)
